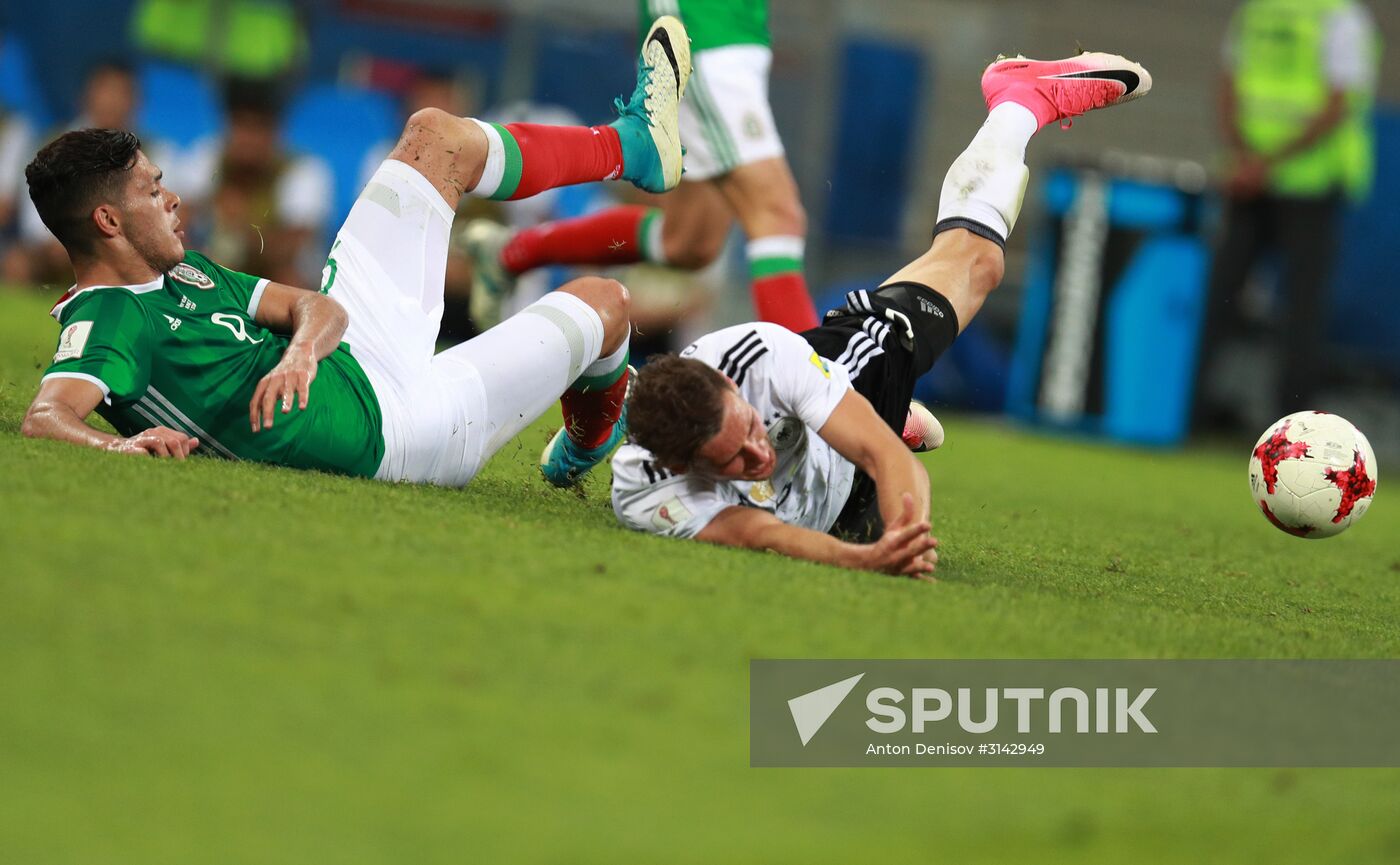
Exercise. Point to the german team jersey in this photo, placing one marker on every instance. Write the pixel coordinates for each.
(795, 391)
(184, 352)
(713, 23)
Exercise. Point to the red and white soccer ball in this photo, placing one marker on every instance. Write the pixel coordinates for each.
(1313, 474)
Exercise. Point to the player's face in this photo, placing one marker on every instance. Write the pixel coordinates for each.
(150, 217)
(740, 450)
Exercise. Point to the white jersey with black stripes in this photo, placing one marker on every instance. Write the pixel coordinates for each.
(795, 392)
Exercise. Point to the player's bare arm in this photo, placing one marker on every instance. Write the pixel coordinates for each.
(60, 411)
(905, 548)
(316, 324)
(858, 434)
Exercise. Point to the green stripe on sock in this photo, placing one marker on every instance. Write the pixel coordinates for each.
(588, 384)
(761, 267)
(644, 235)
(510, 180)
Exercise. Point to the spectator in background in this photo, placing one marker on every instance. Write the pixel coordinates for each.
(1296, 102)
(17, 133)
(16, 147)
(255, 206)
(109, 100)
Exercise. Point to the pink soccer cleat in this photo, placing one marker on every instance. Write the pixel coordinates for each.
(1057, 90)
(922, 431)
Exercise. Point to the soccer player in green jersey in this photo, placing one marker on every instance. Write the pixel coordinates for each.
(179, 354)
(735, 168)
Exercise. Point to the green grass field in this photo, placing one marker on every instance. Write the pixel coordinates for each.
(208, 662)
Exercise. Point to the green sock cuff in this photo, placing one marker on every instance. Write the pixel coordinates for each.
(761, 267)
(591, 383)
(510, 180)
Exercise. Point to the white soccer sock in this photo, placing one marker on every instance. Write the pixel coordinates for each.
(987, 183)
(606, 366)
(653, 249)
(495, 169)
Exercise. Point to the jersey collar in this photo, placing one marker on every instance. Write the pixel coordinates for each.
(74, 291)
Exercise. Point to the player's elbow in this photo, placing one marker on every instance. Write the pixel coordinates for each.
(34, 425)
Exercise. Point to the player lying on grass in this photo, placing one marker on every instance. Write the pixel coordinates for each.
(762, 438)
(178, 353)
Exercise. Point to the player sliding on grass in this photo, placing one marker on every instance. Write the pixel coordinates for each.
(762, 438)
(178, 353)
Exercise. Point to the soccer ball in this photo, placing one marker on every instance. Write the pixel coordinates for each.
(1313, 474)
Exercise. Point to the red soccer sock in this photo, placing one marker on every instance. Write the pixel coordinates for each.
(779, 291)
(782, 298)
(591, 408)
(608, 237)
(525, 159)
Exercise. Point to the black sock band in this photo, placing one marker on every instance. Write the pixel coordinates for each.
(931, 316)
(971, 225)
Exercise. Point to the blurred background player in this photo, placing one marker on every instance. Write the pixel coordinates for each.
(1296, 101)
(735, 169)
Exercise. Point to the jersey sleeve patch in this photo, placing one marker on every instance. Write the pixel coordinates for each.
(669, 514)
(72, 341)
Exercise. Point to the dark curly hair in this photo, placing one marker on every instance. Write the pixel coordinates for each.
(75, 173)
(677, 405)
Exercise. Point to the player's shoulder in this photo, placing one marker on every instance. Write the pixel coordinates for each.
(634, 467)
(736, 350)
(99, 303)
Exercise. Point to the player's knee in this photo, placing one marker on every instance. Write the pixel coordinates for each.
(610, 299)
(431, 125)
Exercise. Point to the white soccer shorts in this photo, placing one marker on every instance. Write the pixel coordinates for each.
(725, 117)
(444, 415)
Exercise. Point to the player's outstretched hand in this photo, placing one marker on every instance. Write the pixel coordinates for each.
(157, 442)
(288, 382)
(906, 548)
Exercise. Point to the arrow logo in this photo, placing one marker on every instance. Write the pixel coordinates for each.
(811, 710)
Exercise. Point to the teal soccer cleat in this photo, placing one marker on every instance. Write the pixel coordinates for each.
(483, 241)
(564, 463)
(648, 124)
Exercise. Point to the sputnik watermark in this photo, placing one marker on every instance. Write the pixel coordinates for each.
(935, 705)
(1074, 713)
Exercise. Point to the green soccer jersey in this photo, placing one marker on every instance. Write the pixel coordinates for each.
(713, 23)
(184, 352)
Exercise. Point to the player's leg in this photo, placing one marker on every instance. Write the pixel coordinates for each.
(388, 263)
(642, 146)
(733, 139)
(984, 187)
(764, 197)
(687, 231)
(573, 342)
